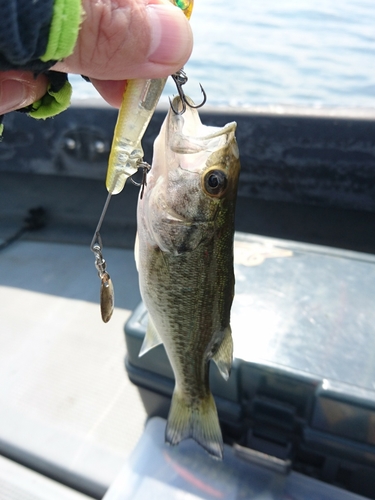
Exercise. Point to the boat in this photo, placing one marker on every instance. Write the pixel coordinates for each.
(75, 398)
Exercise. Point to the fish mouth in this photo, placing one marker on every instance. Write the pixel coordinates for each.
(187, 134)
(173, 218)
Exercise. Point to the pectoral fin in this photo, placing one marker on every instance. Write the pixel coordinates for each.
(152, 338)
(224, 355)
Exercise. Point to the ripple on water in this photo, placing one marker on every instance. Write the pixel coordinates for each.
(309, 52)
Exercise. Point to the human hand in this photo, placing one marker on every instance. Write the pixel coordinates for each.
(118, 40)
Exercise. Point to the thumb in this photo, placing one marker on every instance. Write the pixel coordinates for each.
(126, 39)
(19, 89)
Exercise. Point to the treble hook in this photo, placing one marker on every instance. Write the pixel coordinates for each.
(180, 78)
(146, 167)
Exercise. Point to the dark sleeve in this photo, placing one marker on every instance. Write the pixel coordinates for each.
(24, 30)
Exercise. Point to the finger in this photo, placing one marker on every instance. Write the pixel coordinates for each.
(19, 89)
(112, 91)
(130, 39)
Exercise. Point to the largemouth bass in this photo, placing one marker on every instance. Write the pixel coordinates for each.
(184, 255)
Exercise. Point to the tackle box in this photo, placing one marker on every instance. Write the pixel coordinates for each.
(301, 395)
(156, 471)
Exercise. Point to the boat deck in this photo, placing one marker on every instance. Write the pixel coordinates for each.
(68, 409)
(69, 417)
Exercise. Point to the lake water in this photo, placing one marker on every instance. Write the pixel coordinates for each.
(292, 52)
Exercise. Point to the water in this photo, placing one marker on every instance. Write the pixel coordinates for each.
(292, 52)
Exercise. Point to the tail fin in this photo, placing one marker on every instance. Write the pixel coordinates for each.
(199, 422)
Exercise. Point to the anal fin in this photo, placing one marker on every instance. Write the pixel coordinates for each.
(152, 338)
(224, 355)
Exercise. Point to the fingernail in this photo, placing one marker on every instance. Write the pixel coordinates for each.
(12, 95)
(171, 36)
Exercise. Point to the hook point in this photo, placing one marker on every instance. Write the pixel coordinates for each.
(180, 79)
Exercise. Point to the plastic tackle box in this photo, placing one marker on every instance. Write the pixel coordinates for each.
(301, 394)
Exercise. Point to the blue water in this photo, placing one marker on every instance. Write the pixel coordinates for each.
(291, 52)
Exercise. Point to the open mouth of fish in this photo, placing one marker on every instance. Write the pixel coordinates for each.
(188, 135)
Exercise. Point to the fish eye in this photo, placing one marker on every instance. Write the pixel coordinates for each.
(215, 182)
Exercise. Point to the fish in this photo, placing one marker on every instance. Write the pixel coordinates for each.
(184, 257)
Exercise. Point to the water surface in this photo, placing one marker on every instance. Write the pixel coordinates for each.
(294, 52)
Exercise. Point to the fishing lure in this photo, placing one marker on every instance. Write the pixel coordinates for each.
(126, 157)
(107, 294)
(138, 105)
